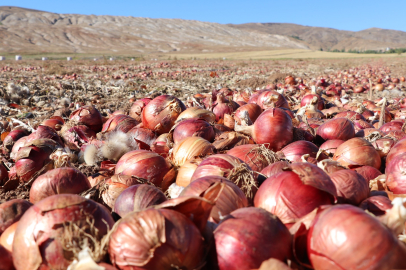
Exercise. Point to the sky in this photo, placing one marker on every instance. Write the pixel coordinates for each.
(352, 15)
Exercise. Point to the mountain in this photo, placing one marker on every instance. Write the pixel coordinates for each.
(330, 39)
(33, 31)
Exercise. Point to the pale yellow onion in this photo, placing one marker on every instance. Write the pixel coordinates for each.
(196, 112)
(186, 171)
(190, 148)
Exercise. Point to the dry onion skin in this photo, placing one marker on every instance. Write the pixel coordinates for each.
(190, 148)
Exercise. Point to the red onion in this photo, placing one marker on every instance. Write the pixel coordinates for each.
(351, 115)
(294, 151)
(137, 198)
(76, 136)
(186, 171)
(331, 146)
(376, 205)
(156, 239)
(398, 148)
(292, 194)
(273, 128)
(38, 240)
(88, 116)
(119, 123)
(32, 159)
(336, 129)
(193, 127)
(253, 110)
(11, 212)
(230, 198)
(13, 137)
(56, 124)
(396, 134)
(239, 233)
(223, 107)
(275, 168)
(64, 180)
(393, 125)
(272, 99)
(44, 132)
(256, 156)
(161, 113)
(137, 107)
(307, 99)
(144, 164)
(190, 148)
(3, 174)
(351, 187)
(162, 144)
(395, 174)
(335, 242)
(7, 237)
(357, 152)
(144, 137)
(197, 112)
(383, 146)
(6, 259)
(368, 172)
(109, 192)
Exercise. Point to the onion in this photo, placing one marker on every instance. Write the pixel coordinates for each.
(274, 168)
(144, 164)
(31, 160)
(307, 99)
(376, 205)
(294, 151)
(44, 132)
(41, 237)
(186, 172)
(336, 129)
(256, 156)
(119, 122)
(383, 146)
(292, 194)
(271, 99)
(368, 172)
(273, 128)
(253, 110)
(239, 233)
(144, 137)
(56, 124)
(109, 191)
(7, 237)
(398, 148)
(88, 116)
(13, 137)
(395, 174)
(137, 107)
(351, 187)
(331, 146)
(357, 152)
(393, 125)
(137, 198)
(162, 144)
(64, 180)
(351, 115)
(6, 259)
(193, 128)
(197, 112)
(76, 136)
(161, 113)
(11, 212)
(335, 242)
(3, 174)
(190, 148)
(379, 87)
(230, 198)
(156, 239)
(223, 107)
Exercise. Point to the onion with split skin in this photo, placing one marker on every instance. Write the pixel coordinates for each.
(197, 112)
(119, 122)
(351, 187)
(253, 110)
(330, 146)
(190, 148)
(272, 99)
(368, 172)
(275, 168)
(13, 137)
(137, 107)
(144, 137)
(161, 113)
(11, 212)
(88, 116)
(239, 233)
(294, 151)
(193, 128)
(273, 128)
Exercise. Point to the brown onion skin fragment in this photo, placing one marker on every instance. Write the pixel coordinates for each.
(11, 212)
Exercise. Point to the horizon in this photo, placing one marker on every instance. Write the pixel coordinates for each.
(242, 14)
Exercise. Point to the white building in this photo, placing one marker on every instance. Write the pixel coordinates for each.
(19, 57)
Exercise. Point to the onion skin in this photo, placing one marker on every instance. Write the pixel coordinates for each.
(137, 107)
(395, 176)
(119, 122)
(56, 124)
(144, 164)
(43, 223)
(271, 99)
(239, 233)
(337, 129)
(357, 152)
(377, 205)
(398, 148)
(137, 198)
(274, 168)
(156, 239)
(13, 137)
(190, 148)
(11, 212)
(197, 112)
(295, 150)
(330, 146)
(76, 136)
(193, 128)
(161, 113)
(216, 165)
(393, 125)
(368, 172)
(63, 180)
(3, 174)
(144, 137)
(335, 242)
(253, 110)
(248, 154)
(6, 259)
(7, 237)
(88, 116)
(186, 171)
(230, 198)
(351, 187)
(307, 99)
(292, 194)
(110, 192)
(35, 161)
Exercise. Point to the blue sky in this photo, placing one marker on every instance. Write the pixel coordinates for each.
(352, 15)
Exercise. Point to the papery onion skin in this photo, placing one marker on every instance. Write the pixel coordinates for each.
(13, 137)
(137, 107)
(330, 146)
(76, 136)
(11, 212)
(88, 116)
(144, 164)
(110, 192)
(307, 99)
(6, 259)
(295, 150)
(119, 122)
(63, 180)
(337, 129)
(393, 125)
(56, 124)
(137, 198)
(274, 168)
(368, 172)
(230, 199)
(357, 152)
(251, 154)
(377, 205)
(156, 239)
(144, 137)
(398, 148)
(7, 237)
(217, 165)
(290, 194)
(395, 174)
(37, 160)
(190, 148)
(271, 99)
(335, 242)
(253, 110)
(37, 240)
(186, 171)
(161, 113)
(351, 187)
(193, 128)
(197, 112)
(237, 239)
